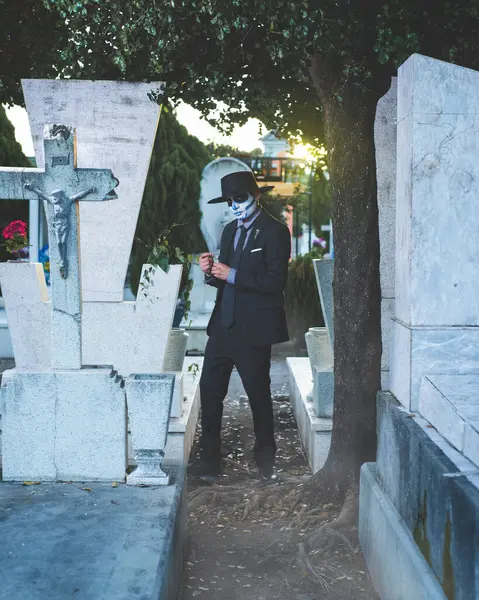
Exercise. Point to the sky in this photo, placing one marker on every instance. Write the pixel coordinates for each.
(245, 138)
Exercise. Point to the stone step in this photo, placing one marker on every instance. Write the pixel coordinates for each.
(315, 432)
(451, 404)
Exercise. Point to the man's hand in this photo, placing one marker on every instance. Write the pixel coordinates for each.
(206, 262)
(221, 271)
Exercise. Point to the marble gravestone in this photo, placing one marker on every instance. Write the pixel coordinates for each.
(436, 324)
(419, 502)
(216, 216)
(116, 124)
(385, 133)
(53, 419)
(323, 377)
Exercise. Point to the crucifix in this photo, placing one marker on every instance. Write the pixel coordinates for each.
(61, 185)
(331, 244)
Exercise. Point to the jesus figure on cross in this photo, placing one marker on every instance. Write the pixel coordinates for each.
(61, 204)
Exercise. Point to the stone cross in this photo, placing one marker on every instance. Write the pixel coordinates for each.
(331, 243)
(61, 185)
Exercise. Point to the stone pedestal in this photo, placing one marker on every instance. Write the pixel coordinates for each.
(323, 385)
(319, 352)
(175, 350)
(323, 373)
(436, 327)
(149, 404)
(419, 509)
(64, 425)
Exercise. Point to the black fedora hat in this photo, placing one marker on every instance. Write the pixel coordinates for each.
(241, 182)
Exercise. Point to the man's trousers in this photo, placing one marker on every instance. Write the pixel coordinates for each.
(225, 350)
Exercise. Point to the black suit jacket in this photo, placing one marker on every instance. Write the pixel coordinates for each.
(260, 281)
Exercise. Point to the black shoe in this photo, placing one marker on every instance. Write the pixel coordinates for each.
(205, 470)
(266, 471)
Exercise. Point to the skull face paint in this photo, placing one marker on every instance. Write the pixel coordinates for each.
(243, 209)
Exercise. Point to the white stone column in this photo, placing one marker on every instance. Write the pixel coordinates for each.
(436, 327)
(385, 133)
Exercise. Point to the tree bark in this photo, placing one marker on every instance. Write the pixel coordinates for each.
(349, 118)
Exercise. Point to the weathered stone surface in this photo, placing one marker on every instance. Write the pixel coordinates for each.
(28, 312)
(319, 348)
(149, 400)
(315, 432)
(133, 336)
(324, 270)
(61, 185)
(178, 395)
(438, 172)
(123, 543)
(397, 567)
(63, 425)
(116, 126)
(323, 392)
(181, 430)
(425, 479)
(416, 352)
(112, 333)
(437, 304)
(451, 404)
(385, 134)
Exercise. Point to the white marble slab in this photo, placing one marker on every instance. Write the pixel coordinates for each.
(438, 198)
(451, 404)
(437, 219)
(63, 425)
(420, 352)
(385, 140)
(132, 336)
(28, 313)
(315, 433)
(116, 126)
(431, 86)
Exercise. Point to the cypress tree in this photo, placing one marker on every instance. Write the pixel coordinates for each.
(171, 193)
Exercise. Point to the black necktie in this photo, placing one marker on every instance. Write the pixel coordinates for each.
(228, 299)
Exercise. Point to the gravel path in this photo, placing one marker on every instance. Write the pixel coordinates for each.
(232, 557)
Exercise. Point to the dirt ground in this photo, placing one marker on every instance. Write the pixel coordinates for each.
(242, 550)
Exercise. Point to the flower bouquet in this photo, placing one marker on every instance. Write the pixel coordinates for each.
(15, 239)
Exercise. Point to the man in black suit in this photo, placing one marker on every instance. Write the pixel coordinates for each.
(248, 317)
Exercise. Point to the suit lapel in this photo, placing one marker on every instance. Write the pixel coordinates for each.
(229, 235)
(256, 230)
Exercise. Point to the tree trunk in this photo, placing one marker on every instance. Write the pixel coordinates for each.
(349, 118)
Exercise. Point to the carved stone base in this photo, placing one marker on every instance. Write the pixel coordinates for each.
(149, 469)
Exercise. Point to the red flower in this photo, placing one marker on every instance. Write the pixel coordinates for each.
(15, 228)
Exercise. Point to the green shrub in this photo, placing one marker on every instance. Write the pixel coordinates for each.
(171, 195)
(303, 307)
